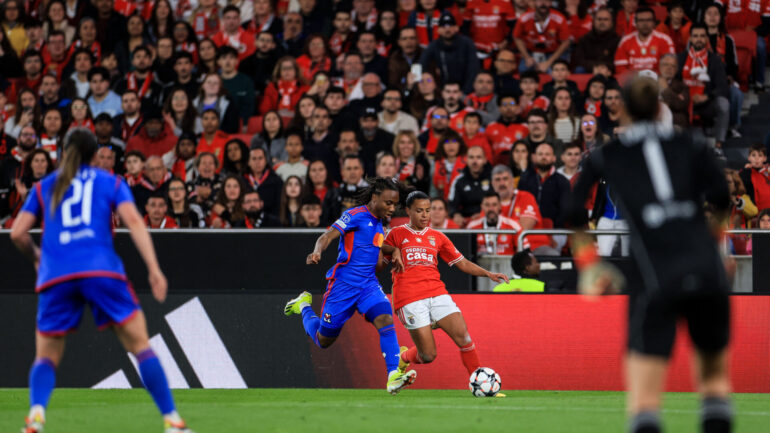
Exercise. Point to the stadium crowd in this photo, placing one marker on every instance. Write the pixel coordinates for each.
(257, 113)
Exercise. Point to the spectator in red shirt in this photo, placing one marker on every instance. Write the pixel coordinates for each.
(342, 38)
(439, 215)
(594, 94)
(32, 63)
(530, 98)
(755, 177)
(315, 58)
(450, 162)
(625, 22)
(155, 138)
(495, 244)
(676, 26)
(506, 130)
(643, 48)
(579, 20)
(488, 23)
(425, 21)
(55, 54)
(541, 36)
(212, 139)
(474, 136)
(155, 213)
(438, 122)
(206, 20)
(283, 93)
(233, 35)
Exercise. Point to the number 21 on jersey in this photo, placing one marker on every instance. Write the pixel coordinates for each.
(82, 193)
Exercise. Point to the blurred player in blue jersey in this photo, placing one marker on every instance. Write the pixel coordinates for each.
(352, 282)
(77, 265)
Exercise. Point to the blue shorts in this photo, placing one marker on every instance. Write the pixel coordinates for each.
(60, 307)
(341, 300)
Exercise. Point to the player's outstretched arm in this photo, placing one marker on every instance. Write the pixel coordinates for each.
(141, 237)
(471, 268)
(395, 256)
(320, 246)
(22, 239)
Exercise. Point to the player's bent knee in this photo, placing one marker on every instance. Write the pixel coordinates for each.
(428, 357)
(383, 320)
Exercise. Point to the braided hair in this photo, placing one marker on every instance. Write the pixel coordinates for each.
(379, 184)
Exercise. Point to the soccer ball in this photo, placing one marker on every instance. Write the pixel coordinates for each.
(485, 382)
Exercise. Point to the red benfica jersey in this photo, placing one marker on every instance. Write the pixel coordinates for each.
(524, 205)
(456, 119)
(242, 41)
(625, 24)
(488, 22)
(497, 244)
(420, 251)
(633, 54)
(740, 14)
(542, 37)
(502, 137)
(217, 146)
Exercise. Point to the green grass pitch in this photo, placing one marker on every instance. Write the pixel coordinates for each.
(349, 410)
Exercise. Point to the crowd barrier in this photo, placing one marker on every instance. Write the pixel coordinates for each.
(239, 340)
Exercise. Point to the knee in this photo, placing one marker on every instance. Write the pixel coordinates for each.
(325, 342)
(383, 320)
(428, 357)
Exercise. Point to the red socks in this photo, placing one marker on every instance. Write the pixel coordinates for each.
(411, 356)
(470, 357)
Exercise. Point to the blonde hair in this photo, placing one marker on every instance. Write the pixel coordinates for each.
(412, 137)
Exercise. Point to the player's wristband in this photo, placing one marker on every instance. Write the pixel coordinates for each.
(586, 256)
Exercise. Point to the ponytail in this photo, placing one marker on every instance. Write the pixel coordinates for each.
(379, 184)
(79, 148)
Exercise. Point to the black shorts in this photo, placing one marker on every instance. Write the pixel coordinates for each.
(652, 321)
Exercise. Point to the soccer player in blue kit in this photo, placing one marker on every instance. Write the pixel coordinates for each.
(77, 265)
(352, 283)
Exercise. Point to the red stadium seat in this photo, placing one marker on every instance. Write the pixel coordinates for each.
(746, 48)
(246, 138)
(255, 125)
(398, 221)
(544, 78)
(581, 80)
(661, 12)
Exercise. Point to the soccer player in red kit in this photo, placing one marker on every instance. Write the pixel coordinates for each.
(419, 296)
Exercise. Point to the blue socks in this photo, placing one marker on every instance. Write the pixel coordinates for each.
(42, 379)
(155, 381)
(311, 322)
(389, 346)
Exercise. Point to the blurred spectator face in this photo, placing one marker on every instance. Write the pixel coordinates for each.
(32, 66)
(451, 94)
(79, 110)
(386, 166)
(602, 21)
(542, 7)
(363, 7)
(588, 126)
(371, 85)
(505, 63)
(252, 204)
(287, 71)
(207, 51)
(571, 158)
(153, 127)
(294, 146)
(311, 213)
(407, 41)
(306, 6)
(483, 85)
(764, 222)
(428, 5)
(562, 100)
(321, 120)
(234, 151)
(387, 20)
(207, 166)
(503, 184)
(405, 147)
(630, 6)
(645, 22)
(155, 170)
(212, 84)
(110, 62)
(757, 159)
(369, 126)
(476, 159)
(612, 100)
(179, 101)
(352, 171)
(88, 32)
(292, 25)
(49, 88)
(228, 63)
(559, 72)
(508, 108)
(668, 67)
(56, 12)
(183, 67)
(56, 45)
(537, 127)
(27, 138)
(103, 130)
(39, 165)
(471, 125)
(176, 191)
(438, 213)
(231, 21)
(207, 3)
(491, 208)
(439, 120)
(602, 69)
(335, 102)
(134, 165)
(712, 16)
(293, 187)
(367, 44)
(272, 123)
(265, 42)
(135, 25)
(391, 101)
(528, 87)
(596, 91)
(104, 6)
(448, 31)
(165, 48)
(105, 158)
(210, 123)
(257, 160)
(317, 173)
(142, 61)
(342, 22)
(52, 121)
(262, 8)
(353, 67)
(186, 149)
(451, 148)
(316, 47)
(427, 85)
(99, 85)
(676, 14)
(11, 11)
(306, 107)
(156, 209)
(544, 157)
(130, 104)
(698, 39)
(232, 189)
(347, 144)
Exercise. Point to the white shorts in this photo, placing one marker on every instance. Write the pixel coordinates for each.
(422, 313)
